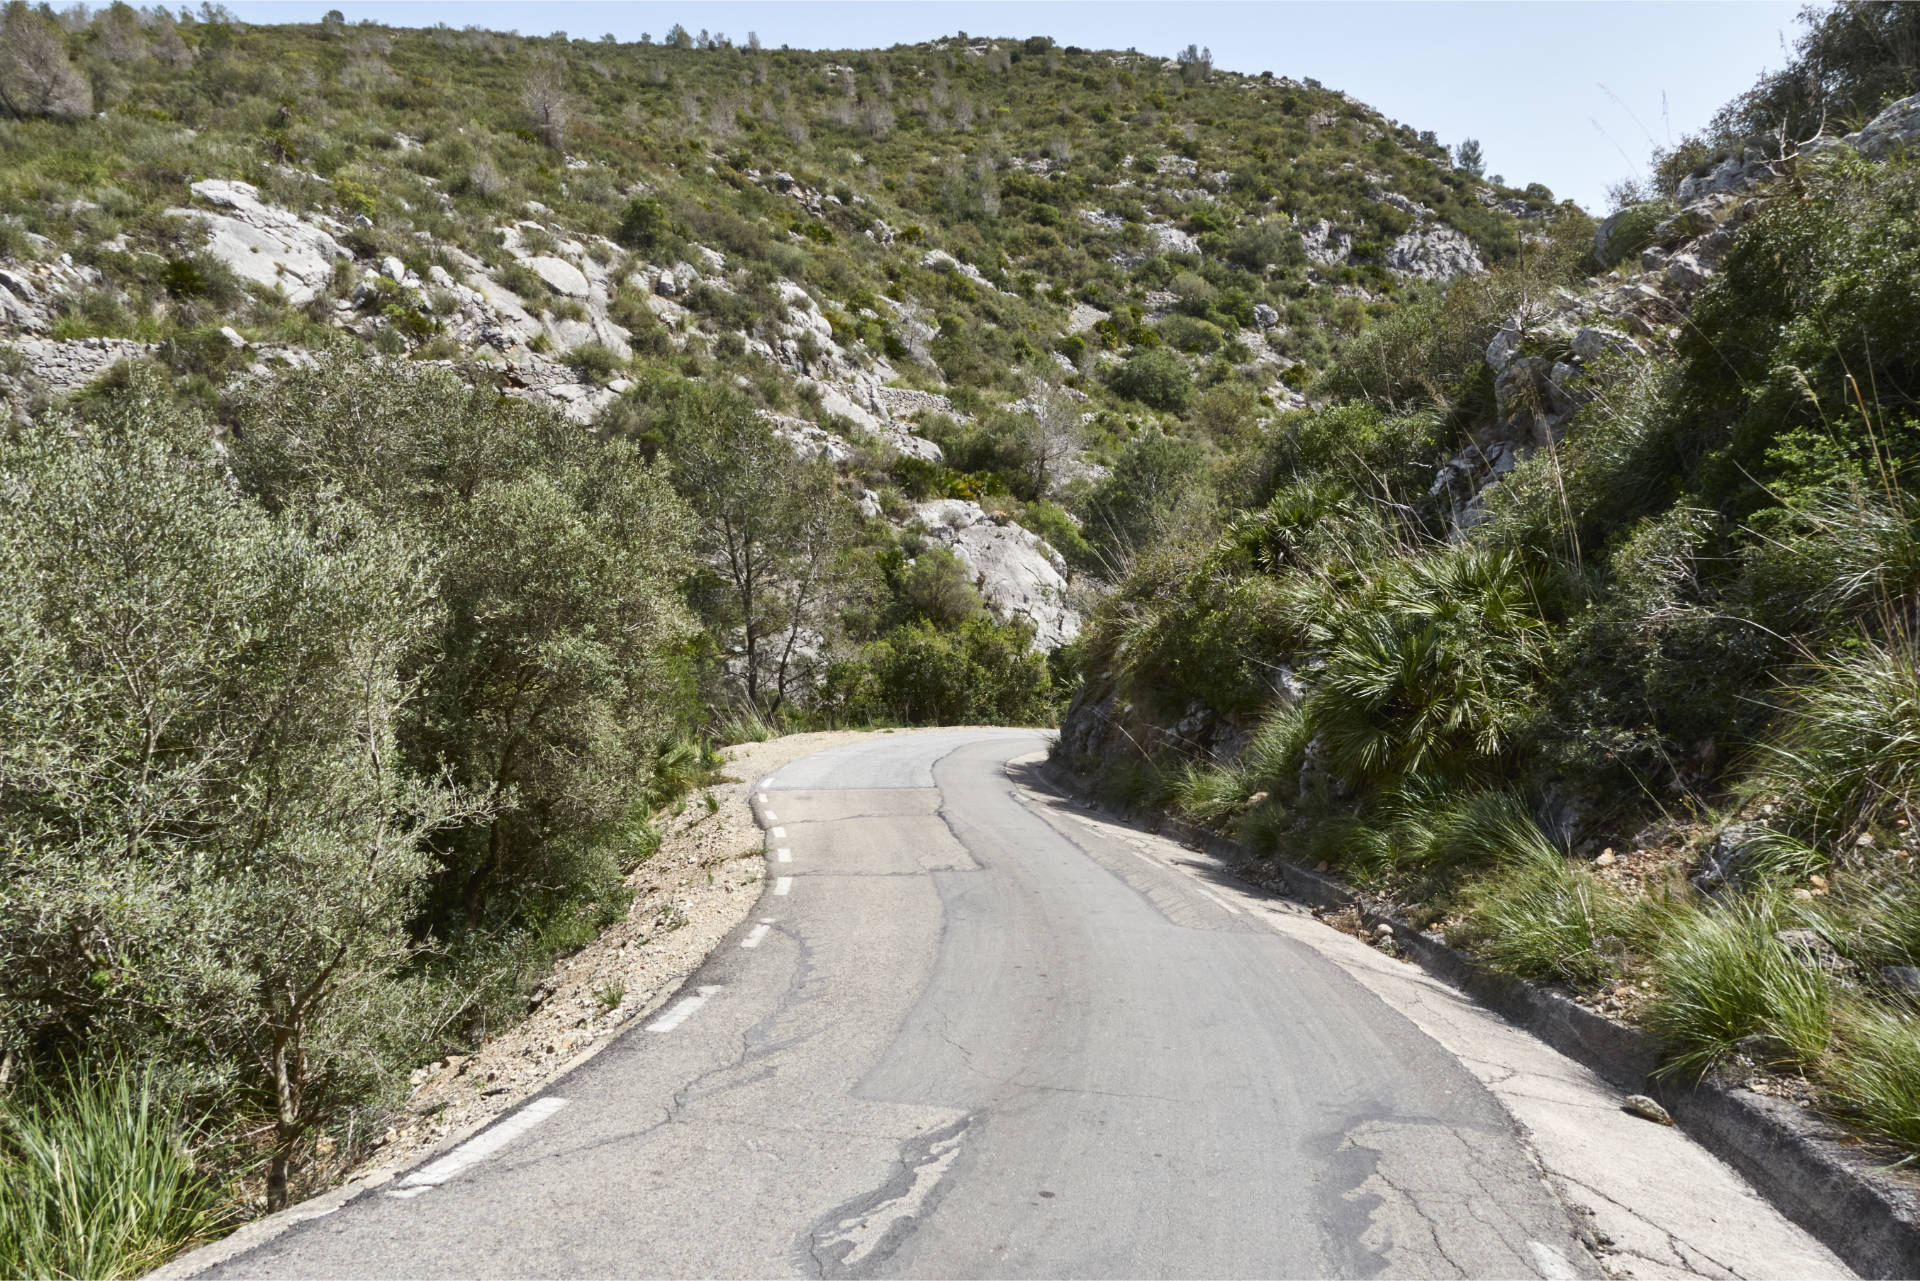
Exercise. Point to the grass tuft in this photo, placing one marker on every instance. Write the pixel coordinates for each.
(97, 1178)
(1722, 976)
(1874, 1071)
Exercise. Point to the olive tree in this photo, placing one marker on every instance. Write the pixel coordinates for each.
(36, 79)
(557, 557)
(207, 837)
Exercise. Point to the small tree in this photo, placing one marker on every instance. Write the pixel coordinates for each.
(1469, 157)
(766, 526)
(207, 841)
(1051, 436)
(545, 99)
(643, 225)
(36, 79)
(558, 559)
(1196, 64)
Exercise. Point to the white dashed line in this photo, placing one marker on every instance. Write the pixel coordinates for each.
(783, 855)
(783, 886)
(674, 1017)
(779, 833)
(763, 798)
(479, 1148)
(757, 933)
(771, 816)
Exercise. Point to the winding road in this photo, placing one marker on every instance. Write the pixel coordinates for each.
(969, 1030)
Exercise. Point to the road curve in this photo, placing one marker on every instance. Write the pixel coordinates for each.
(966, 1032)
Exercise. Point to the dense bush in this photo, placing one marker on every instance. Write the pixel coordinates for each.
(200, 721)
(976, 673)
(1156, 379)
(556, 558)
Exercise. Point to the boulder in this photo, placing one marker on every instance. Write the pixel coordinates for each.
(1812, 946)
(1726, 858)
(1686, 272)
(1504, 347)
(1902, 980)
(1895, 129)
(1733, 174)
(561, 276)
(1264, 316)
(1171, 239)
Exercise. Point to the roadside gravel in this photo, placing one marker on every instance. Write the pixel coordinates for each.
(702, 881)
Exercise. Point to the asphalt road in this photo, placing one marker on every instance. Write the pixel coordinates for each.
(967, 1032)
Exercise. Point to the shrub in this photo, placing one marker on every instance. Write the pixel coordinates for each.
(644, 225)
(1156, 379)
(201, 718)
(1848, 755)
(1632, 231)
(557, 559)
(1540, 914)
(1185, 333)
(1429, 672)
(1874, 1071)
(1273, 243)
(979, 673)
(1129, 507)
(593, 361)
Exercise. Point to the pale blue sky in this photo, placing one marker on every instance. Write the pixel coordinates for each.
(1573, 94)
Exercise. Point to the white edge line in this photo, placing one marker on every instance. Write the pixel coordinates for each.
(677, 1015)
(481, 1146)
(1217, 899)
(783, 855)
(779, 833)
(783, 885)
(771, 816)
(755, 934)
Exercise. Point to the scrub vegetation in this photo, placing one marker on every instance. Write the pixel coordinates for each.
(1641, 719)
(352, 644)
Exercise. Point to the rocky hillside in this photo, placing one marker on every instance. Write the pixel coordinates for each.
(1577, 615)
(973, 274)
(423, 445)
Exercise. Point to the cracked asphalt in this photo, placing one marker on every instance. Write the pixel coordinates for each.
(985, 1035)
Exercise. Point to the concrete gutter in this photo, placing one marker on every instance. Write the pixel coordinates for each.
(1871, 1221)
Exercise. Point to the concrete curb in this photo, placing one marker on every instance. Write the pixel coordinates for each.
(1853, 1208)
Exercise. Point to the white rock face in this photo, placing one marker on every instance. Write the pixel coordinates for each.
(883, 411)
(561, 276)
(263, 243)
(63, 367)
(1434, 252)
(1326, 245)
(1896, 128)
(940, 259)
(1083, 317)
(1172, 240)
(1019, 576)
(810, 440)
